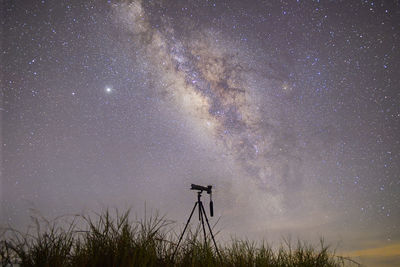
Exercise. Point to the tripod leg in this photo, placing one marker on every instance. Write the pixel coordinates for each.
(202, 223)
(187, 223)
(209, 228)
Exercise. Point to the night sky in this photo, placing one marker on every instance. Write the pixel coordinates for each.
(290, 109)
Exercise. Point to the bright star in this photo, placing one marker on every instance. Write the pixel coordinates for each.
(108, 90)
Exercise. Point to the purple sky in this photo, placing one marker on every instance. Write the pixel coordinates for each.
(290, 109)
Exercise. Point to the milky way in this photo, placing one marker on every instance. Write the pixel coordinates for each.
(207, 80)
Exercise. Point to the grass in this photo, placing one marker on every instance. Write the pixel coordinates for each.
(117, 241)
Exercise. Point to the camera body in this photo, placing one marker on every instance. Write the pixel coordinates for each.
(202, 188)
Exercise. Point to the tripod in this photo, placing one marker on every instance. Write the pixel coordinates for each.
(202, 216)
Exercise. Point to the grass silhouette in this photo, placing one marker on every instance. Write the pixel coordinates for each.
(117, 241)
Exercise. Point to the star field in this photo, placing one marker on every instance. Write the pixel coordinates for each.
(290, 109)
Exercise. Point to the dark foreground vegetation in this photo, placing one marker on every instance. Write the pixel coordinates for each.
(116, 241)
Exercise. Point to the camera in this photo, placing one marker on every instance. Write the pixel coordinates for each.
(202, 188)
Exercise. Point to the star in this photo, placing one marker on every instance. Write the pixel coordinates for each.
(108, 90)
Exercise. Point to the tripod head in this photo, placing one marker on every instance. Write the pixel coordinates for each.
(208, 189)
